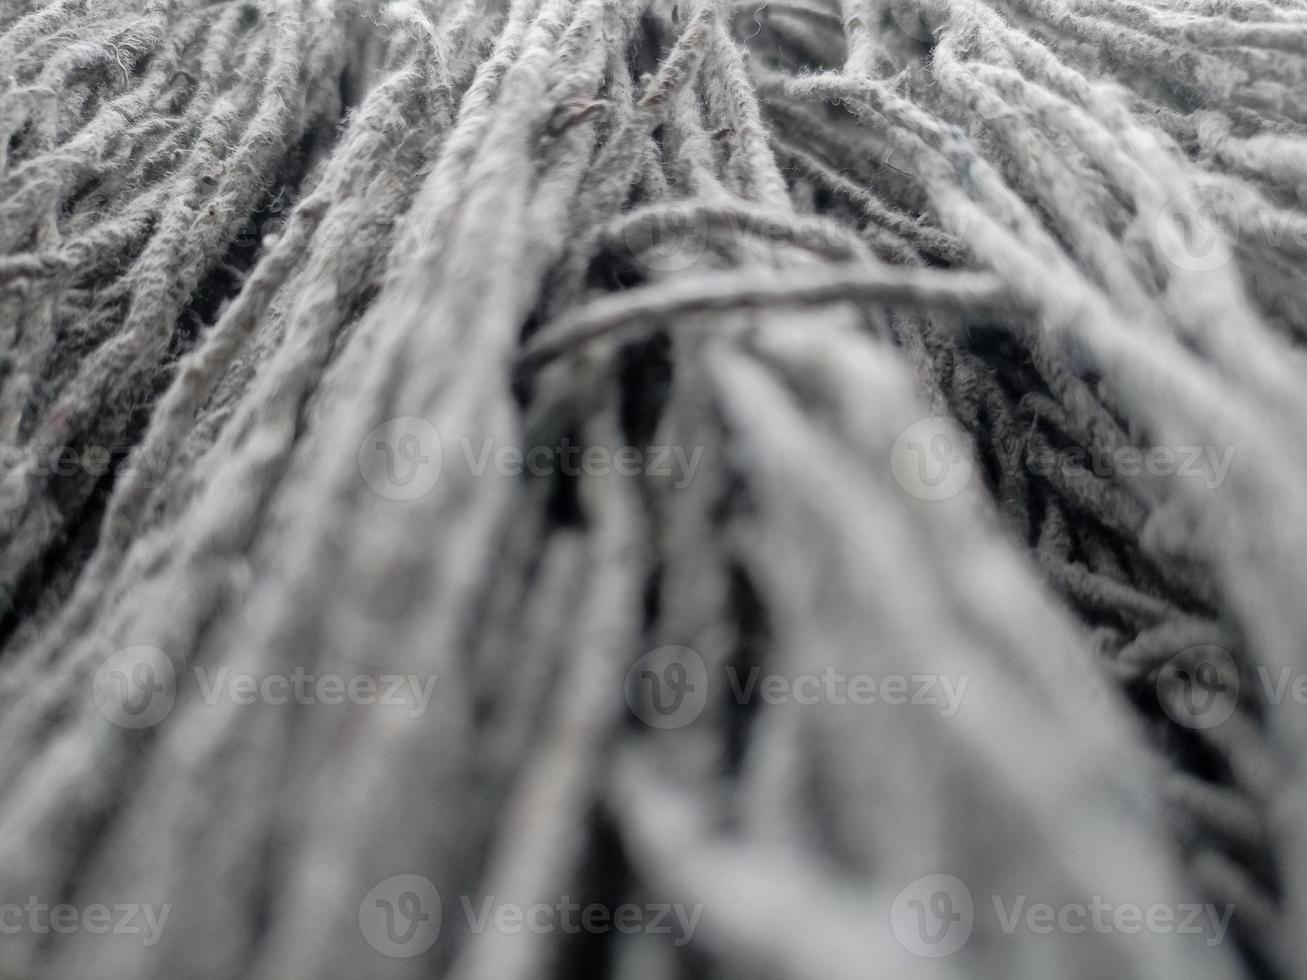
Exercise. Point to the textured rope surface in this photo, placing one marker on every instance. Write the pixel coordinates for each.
(614, 488)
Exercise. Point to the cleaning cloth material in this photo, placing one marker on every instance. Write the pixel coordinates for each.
(611, 488)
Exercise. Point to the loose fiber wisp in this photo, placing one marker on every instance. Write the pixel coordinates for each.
(627, 489)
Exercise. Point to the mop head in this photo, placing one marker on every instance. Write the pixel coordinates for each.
(565, 489)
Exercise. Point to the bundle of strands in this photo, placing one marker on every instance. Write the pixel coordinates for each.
(611, 488)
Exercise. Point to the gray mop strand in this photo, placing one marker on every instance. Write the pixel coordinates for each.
(619, 488)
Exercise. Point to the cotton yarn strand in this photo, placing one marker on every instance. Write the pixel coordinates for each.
(549, 357)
